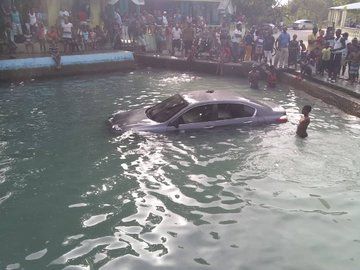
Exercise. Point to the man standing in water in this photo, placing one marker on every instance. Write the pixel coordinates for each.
(304, 122)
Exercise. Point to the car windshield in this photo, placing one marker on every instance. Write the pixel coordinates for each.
(166, 109)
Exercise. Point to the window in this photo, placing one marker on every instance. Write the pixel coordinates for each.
(204, 113)
(230, 111)
(166, 109)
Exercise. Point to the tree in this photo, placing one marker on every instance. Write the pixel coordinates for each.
(259, 11)
(316, 10)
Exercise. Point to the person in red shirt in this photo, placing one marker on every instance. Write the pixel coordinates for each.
(53, 34)
(82, 16)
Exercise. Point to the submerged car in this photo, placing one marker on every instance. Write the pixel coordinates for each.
(198, 110)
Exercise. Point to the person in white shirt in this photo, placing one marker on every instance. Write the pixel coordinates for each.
(63, 13)
(176, 38)
(164, 19)
(235, 42)
(67, 34)
(117, 18)
(32, 21)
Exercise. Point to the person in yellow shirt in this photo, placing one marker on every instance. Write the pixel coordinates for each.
(325, 58)
(312, 40)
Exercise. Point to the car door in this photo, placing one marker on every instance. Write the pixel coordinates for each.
(229, 114)
(198, 117)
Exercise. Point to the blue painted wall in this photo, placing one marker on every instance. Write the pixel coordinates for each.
(67, 60)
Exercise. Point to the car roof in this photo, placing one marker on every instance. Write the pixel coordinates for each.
(215, 95)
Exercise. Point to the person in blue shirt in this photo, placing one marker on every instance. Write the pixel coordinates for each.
(16, 22)
(282, 45)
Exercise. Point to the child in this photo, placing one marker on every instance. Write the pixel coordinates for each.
(92, 39)
(29, 45)
(254, 76)
(304, 122)
(85, 37)
(302, 50)
(55, 54)
(41, 37)
(354, 59)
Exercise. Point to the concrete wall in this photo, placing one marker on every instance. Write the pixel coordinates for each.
(343, 101)
(20, 69)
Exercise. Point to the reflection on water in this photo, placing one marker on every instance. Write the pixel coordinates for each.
(73, 197)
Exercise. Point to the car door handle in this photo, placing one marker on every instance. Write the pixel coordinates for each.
(209, 127)
(248, 122)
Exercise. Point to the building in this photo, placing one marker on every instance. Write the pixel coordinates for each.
(96, 11)
(346, 17)
(209, 9)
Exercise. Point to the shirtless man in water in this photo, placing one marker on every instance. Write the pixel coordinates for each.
(304, 122)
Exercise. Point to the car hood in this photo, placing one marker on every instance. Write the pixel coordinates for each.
(126, 120)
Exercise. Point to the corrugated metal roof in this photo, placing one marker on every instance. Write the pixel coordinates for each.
(353, 6)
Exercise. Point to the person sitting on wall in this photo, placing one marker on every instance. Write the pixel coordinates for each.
(118, 45)
(254, 77)
(29, 45)
(55, 53)
(306, 67)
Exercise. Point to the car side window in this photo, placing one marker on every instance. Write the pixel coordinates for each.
(231, 111)
(198, 114)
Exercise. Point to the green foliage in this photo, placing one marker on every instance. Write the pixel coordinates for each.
(259, 11)
(316, 10)
(343, 2)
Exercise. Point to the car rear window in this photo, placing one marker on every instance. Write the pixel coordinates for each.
(166, 109)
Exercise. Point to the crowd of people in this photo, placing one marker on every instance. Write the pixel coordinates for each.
(172, 33)
(328, 52)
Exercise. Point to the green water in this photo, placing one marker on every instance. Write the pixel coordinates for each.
(73, 197)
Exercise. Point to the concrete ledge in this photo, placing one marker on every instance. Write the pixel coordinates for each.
(328, 84)
(198, 65)
(343, 101)
(348, 103)
(44, 67)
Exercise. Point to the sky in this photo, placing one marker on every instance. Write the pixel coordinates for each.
(284, 1)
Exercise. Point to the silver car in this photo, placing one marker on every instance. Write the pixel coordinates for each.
(303, 25)
(198, 110)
